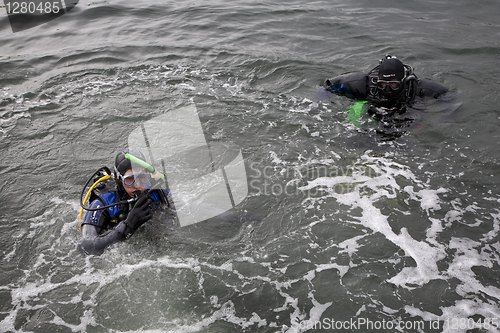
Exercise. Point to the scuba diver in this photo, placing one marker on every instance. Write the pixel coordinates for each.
(389, 88)
(118, 208)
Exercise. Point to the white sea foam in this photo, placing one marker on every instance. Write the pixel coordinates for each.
(425, 253)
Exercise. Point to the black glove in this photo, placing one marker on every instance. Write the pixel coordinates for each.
(137, 216)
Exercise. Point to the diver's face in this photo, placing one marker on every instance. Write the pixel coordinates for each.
(390, 88)
(133, 181)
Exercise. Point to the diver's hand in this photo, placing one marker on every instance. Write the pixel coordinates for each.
(137, 216)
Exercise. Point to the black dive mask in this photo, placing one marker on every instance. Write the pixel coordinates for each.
(390, 89)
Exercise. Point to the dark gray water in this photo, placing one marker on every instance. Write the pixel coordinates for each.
(350, 229)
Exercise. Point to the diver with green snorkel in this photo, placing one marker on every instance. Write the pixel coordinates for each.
(387, 90)
(118, 208)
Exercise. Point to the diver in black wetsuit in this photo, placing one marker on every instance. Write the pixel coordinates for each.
(101, 226)
(390, 87)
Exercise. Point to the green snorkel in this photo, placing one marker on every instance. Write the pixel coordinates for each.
(356, 111)
(155, 174)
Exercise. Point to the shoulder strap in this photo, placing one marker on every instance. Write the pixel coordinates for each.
(109, 199)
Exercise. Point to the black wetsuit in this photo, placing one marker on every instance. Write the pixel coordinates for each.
(361, 86)
(102, 228)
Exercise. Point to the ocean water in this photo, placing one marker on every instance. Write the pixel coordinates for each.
(377, 228)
